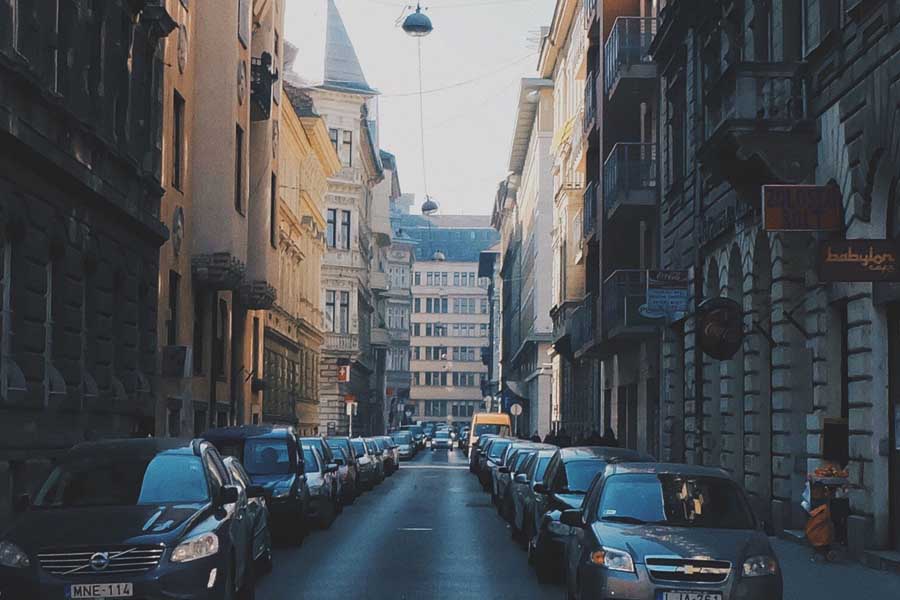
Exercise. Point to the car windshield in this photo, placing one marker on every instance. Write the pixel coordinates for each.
(497, 448)
(580, 474)
(541, 468)
(520, 460)
(371, 446)
(676, 500)
(264, 456)
(485, 428)
(165, 479)
(442, 435)
(310, 461)
(358, 448)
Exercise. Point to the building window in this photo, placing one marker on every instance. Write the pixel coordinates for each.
(347, 149)
(177, 139)
(445, 302)
(484, 306)
(221, 338)
(273, 212)
(428, 305)
(445, 279)
(484, 329)
(456, 279)
(199, 314)
(345, 229)
(430, 279)
(244, 22)
(417, 278)
(333, 136)
(332, 228)
(173, 425)
(172, 322)
(417, 303)
(329, 310)
(417, 329)
(254, 365)
(200, 423)
(344, 322)
(239, 169)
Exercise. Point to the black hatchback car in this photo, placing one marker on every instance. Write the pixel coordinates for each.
(273, 458)
(147, 518)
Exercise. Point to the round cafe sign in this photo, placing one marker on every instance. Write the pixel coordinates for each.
(720, 327)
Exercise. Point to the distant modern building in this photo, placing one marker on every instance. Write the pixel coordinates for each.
(450, 315)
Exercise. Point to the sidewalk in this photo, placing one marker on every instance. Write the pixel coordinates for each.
(808, 580)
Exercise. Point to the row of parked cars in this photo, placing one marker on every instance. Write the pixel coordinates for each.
(612, 523)
(190, 519)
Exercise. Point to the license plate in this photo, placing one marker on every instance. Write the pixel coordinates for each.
(688, 595)
(99, 590)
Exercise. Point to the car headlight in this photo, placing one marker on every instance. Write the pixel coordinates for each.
(613, 559)
(12, 556)
(196, 548)
(760, 566)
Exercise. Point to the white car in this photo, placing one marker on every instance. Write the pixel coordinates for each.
(441, 441)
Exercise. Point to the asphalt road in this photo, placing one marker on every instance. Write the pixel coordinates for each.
(428, 531)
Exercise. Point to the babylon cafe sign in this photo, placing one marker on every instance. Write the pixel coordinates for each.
(859, 260)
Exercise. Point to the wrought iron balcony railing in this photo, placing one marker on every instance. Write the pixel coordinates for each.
(628, 45)
(590, 210)
(630, 177)
(581, 323)
(624, 292)
(590, 101)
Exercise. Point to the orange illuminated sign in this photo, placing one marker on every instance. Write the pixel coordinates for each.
(802, 208)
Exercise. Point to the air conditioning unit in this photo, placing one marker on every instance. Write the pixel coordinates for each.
(177, 361)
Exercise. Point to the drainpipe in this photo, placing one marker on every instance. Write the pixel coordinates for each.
(698, 266)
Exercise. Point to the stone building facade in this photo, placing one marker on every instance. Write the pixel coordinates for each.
(756, 93)
(523, 215)
(80, 230)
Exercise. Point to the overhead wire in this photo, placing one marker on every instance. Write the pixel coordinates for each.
(457, 84)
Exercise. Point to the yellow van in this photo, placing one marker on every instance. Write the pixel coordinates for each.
(482, 423)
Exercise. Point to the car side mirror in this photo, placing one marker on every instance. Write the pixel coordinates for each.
(21, 503)
(331, 467)
(521, 478)
(256, 491)
(229, 495)
(541, 488)
(572, 518)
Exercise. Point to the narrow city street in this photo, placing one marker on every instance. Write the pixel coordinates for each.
(426, 532)
(429, 531)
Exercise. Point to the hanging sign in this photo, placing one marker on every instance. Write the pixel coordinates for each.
(343, 374)
(720, 327)
(859, 260)
(667, 295)
(802, 208)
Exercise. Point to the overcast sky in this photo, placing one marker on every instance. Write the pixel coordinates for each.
(468, 128)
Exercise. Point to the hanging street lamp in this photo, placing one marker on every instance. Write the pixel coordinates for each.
(417, 24)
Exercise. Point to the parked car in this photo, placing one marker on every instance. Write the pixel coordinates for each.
(387, 455)
(378, 456)
(441, 441)
(417, 433)
(515, 463)
(477, 456)
(343, 474)
(174, 524)
(688, 531)
(501, 475)
(320, 444)
(352, 487)
(568, 477)
(462, 440)
(368, 466)
(324, 493)
(257, 512)
(272, 457)
(492, 457)
(523, 493)
(392, 449)
(405, 443)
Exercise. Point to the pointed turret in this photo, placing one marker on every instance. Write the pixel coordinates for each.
(342, 69)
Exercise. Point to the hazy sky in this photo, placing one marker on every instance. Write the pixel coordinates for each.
(468, 128)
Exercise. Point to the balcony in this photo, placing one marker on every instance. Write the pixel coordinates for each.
(757, 124)
(262, 78)
(581, 325)
(590, 9)
(378, 281)
(590, 210)
(629, 71)
(590, 103)
(380, 336)
(629, 182)
(341, 342)
(624, 292)
(563, 316)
